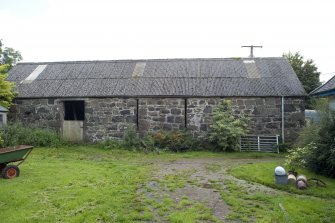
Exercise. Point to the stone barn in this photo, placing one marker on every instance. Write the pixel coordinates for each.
(98, 100)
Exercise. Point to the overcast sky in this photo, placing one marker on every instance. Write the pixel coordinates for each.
(68, 30)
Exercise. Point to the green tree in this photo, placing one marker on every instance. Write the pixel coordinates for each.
(227, 127)
(9, 55)
(306, 71)
(8, 58)
(6, 88)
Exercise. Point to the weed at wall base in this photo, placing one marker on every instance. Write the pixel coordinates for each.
(18, 134)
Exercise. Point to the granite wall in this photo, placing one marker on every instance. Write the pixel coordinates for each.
(109, 117)
(161, 114)
(266, 115)
(199, 112)
(37, 112)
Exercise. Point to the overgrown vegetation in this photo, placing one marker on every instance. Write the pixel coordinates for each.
(299, 157)
(317, 144)
(175, 141)
(227, 127)
(19, 134)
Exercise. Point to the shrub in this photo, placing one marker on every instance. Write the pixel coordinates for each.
(131, 139)
(299, 157)
(283, 147)
(318, 141)
(111, 144)
(1, 140)
(152, 142)
(323, 156)
(175, 141)
(227, 127)
(148, 144)
(309, 134)
(205, 145)
(18, 134)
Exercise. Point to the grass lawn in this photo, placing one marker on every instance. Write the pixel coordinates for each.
(263, 173)
(315, 204)
(88, 184)
(74, 185)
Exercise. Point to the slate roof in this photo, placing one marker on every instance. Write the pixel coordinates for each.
(164, 77)
(327, 88)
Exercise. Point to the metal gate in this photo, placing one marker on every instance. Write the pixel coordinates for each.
(260, 143)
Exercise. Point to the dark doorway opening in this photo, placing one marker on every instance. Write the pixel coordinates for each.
(74, 110)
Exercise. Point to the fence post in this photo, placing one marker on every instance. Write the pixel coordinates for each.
(258, 144)
(240, 143)
(277, 143)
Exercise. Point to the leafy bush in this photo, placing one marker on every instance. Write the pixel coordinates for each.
(299, 157)
(1, 139)
(283, 147)
(18, 134)
(227, 127)
(154, 142)
(323, 156)
(148, 144)
(205, 145)
(175, 141)
(309, 134)
(318, 142)
(131, 139)
(111, 144)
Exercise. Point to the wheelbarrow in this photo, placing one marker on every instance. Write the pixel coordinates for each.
(12, 155)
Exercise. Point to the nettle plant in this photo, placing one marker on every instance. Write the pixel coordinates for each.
(227, 127)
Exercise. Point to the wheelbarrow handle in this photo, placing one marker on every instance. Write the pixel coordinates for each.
(24, 158)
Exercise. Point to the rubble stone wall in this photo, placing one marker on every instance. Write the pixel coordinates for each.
(108, 118)
(157, 114)
(44, 113)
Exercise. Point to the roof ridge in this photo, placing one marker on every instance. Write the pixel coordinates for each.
(149, 60)
(151, 77)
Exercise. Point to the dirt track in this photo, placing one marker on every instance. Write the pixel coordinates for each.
(199, 177)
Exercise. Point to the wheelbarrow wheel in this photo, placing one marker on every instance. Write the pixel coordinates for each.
(10, 172)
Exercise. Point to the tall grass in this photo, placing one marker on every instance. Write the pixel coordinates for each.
(18, 134)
